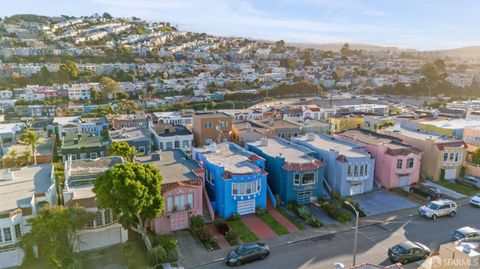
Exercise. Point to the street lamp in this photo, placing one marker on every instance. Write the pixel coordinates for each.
(356, 231)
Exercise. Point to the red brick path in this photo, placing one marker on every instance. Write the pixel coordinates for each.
(222, 242)
(280, 218)
(258, 227)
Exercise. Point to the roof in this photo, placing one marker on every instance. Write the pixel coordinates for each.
(11, 128)
(44, 148)
(292, 153)
(66, 120)
(86, 140)
(453, 123)
(274, 123)
(174, 166)
(161, 130)
(17, 186)
(415, 134)
(299, 121)
(129, 134)
(328, 143)
(92, 167)
(394, 145)
(232, 157)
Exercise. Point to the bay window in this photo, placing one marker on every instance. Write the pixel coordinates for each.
(308, 178)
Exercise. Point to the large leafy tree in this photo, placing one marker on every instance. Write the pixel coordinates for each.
(33, 140)
(70, 69)
(124, 106)
(53, 232)
(110, 87)
(133, 191)
(123, 149)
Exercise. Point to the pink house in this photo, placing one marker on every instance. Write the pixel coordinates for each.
(182, 189)
(396, 164)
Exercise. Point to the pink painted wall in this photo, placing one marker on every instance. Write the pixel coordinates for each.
(163, 224)
(472, 169)
(386, 171)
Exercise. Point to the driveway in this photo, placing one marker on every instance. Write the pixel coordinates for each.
(187, 244)
(321, 215)
(446, 191)
(378, 202)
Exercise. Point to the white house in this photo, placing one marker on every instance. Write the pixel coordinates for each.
(22, 192)
(169, 136)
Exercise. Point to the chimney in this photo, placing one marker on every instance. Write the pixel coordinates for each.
(310, 137)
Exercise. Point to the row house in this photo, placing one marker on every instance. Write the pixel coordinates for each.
(23, 192)
(349, 167)
(397, 164)
(278, 127)
(79, 146)
(235, 179)
(211, 127)
(138, 120)
(139, 138)
(169, 136)
(293, 173)
(183, 117)
(104, 230)
(442, 156)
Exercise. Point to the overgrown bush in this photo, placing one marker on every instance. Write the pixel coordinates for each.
(196, 223)
(335, 211)
(260, 211)
(232, 237)
(234, 217)
(157, 255)
(304, 213)
(167, 241)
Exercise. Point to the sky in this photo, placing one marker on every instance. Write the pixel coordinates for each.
(418, 24)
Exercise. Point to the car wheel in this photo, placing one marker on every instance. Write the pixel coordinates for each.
(263, 256)
(434, 217)
(452, 213)
(238, 263)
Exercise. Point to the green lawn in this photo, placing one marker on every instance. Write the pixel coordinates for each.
(276, 226)
(463, 189)
(242, 230)
(282, 211)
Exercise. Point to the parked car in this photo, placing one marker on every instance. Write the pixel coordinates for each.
(470, 181)
(408, 252)
(170, 266)
(430, 192)
(475, 200)
(465, 232)
(438, 208)
(247, 253)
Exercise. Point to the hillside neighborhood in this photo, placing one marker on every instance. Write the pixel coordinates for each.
(128, 143)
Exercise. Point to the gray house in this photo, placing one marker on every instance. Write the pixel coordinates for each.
(139, 138)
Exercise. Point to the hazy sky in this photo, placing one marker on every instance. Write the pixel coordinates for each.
(421, 24)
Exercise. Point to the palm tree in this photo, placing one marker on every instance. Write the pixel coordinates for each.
(32, 139)
(28, 156)
(13, 155)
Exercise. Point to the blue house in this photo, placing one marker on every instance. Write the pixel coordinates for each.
(293, 173)
(235, 179)
(350, 167)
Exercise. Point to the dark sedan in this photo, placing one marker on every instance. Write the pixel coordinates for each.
(248, 253)
(408, 252)
(429, 192)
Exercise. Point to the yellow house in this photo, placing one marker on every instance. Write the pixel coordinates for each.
(343, 123)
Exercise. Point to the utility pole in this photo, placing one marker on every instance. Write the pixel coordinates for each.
(356, 232)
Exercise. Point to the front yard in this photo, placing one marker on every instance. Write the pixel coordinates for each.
(273, 224)
(463, 189)
(242, 230)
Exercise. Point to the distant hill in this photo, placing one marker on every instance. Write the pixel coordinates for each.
(338, 46)
(470, 51)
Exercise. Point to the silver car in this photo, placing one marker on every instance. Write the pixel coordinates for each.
(438, 208)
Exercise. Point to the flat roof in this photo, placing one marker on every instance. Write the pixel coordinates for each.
(173, 130)
(327, 143)
(129, 134)
(173, 166)
(275, 123)
(86, 140)
(453, 123)
(375, 139)
(232, 157)
(299, 121)
(275, 146)
(93, 167)
(397, 129)
(17, 186)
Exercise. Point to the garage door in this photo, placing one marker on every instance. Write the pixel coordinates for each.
(100, 238)
(403, 180)
(356, 188)
(450, 173)
(246, 207)
(303, 197)
(179, 221)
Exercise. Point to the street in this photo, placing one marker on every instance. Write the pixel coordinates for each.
(373, 242)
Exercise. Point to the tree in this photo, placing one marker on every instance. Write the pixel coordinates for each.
(54, 231)
(27, 155)
(94, 95)
(110, 87)
(122, 95)
(280, 46)
(33, 140)
(70, 69)
(107, 16)
(476, 156)
(125, 106)
(345, 50)
(288, 62)
(13, 156)
(440, 64)
(133, 191)
(122, 149)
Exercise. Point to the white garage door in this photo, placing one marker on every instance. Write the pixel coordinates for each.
(303, 197)
(450, 173)
(246, 207)
(356, 188)
(100, 238)
(403, 180)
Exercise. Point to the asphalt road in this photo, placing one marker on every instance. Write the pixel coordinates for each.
(373, 242)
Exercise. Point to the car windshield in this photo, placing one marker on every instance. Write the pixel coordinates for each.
(242, 250)
(399, 249)
(432, 206)
(459, 235)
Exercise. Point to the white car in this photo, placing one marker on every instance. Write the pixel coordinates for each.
(438, 208)
(475, 200)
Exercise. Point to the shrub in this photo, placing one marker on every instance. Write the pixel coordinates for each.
(196, 223)
(234, 217)
(232, 237)
(304, 213)
(167, 241)
(222, 227)
(260, 211)
(172, 255)
(157, 255)
(334, 210)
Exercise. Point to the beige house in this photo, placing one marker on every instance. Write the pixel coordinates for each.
(442, 156)
(211, 127)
